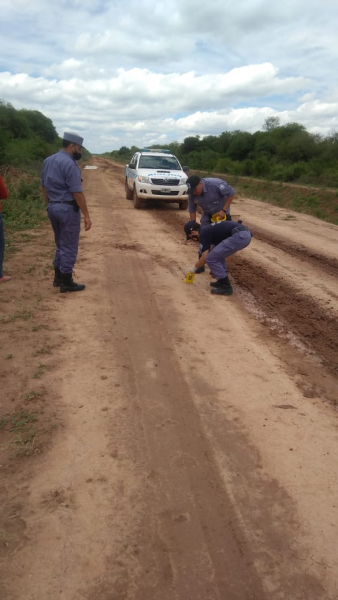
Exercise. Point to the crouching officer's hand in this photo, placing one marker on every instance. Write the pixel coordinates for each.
(87, 223)
(192, 269)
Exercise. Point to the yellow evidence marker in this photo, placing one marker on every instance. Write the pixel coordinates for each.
(189, 277)
(216, 218)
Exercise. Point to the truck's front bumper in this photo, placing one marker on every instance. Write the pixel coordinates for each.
(174, 194)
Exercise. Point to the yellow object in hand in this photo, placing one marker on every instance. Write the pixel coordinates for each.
(216, 218)
(189, 277)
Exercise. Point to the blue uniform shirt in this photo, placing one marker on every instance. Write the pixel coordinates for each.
(214, 234)
(61, 176)
(214, 196)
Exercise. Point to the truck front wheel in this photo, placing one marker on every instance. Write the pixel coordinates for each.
(183, 205)
(136, 200)
(129, 193)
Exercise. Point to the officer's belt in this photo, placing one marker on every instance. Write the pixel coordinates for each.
(62, 202)
(239, 228)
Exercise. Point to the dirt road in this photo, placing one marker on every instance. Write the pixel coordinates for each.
(185, 445)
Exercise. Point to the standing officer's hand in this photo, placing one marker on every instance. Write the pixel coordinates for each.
(87, 223)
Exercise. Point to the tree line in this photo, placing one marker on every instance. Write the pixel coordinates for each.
(27, 137)
(287, 153)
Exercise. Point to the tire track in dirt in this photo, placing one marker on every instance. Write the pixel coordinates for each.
(325, 263)
(317, 330)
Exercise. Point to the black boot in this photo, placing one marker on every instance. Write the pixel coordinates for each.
(57, 277)
(219, 282)
(68, 285)
(222, 287)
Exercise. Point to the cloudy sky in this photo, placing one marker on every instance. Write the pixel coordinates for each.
(138, 73)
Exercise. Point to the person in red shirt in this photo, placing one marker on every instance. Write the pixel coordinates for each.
(3, 196)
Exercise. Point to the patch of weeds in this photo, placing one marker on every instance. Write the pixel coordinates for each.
(288, 217)
(11, 248)
(40, 371)
(33, 395)
(46, 350)
(3, 422)
(312, 201)
(24, 443)
(38, 327)
(21, 421)
(22, 424)
(9, 356)
(24, 315)
(26, 237)
(30, 270)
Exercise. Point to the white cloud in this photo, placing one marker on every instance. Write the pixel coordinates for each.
(122, 73)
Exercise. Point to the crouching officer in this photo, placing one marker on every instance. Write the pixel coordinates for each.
(212, 195)
(62, 190)
(217, 241)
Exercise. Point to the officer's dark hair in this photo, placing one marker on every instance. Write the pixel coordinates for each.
(65, 143)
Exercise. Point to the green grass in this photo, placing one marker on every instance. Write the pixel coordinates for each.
(320, 203)
(25, 207)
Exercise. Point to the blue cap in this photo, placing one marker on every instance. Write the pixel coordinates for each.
(69, 136)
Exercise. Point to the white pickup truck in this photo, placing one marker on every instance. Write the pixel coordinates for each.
(156, 175)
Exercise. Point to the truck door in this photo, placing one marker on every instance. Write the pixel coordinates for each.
(132, 172)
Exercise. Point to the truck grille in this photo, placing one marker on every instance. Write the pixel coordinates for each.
(165, 182)
(159, 193)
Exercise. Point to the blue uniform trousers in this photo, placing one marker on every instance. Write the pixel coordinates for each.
(216, 257)
(66, 223)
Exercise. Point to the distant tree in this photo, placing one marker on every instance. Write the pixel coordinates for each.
(271, 123)
(190, 144)
(241, 144)
(123, 150)
(264, 144)
(39, 124)
(12, 121)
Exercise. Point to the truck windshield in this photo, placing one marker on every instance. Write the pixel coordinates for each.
(159, 162)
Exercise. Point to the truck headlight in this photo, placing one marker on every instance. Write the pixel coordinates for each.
(143, 179)
(184, 180)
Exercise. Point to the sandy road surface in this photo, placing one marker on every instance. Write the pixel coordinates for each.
(195, 454)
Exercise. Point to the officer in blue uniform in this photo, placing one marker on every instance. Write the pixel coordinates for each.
(217, 241)
(212, 195)
(62, 190)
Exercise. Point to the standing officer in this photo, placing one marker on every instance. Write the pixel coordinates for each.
(217, 241)
(213, 195)
(62, 190)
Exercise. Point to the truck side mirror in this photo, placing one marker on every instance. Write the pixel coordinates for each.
(185, 169)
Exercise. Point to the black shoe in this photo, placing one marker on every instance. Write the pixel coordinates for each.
(200, 270)
(57, 277)
(219, 282)
(222, 287)
(68, 285)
